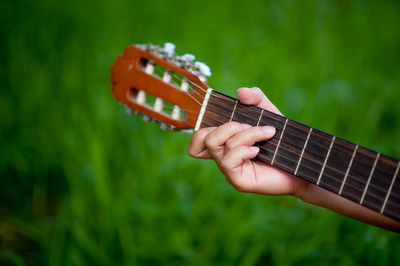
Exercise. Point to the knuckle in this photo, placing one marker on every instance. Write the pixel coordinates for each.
(229, 144)
(257, 133)
(209, 142)
(240, 187)
(224, 164)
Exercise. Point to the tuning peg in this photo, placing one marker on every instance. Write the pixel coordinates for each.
(168, 127)
(188, 58)
(155, 49)
(146, 118)
(163, 126)
(203, 68)
(129, 111)
(169, 48)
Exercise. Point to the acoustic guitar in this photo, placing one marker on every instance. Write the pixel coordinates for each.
(173, 90)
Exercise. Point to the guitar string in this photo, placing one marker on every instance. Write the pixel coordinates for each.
(315, 170)
(169, 108)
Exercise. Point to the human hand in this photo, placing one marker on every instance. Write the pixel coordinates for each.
(231, 147)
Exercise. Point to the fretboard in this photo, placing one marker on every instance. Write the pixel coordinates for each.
(359, 174)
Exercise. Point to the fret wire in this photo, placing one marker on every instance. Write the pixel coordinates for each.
(390, 188)
(259, 119)
(302, 152)
(348, 169)
(334, 169)
(326, 159)
(279, 142)
(233, 112)
(369, 178)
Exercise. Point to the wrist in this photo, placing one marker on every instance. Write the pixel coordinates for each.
(302, 190)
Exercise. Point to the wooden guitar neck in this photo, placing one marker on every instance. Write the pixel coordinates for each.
(344, 168)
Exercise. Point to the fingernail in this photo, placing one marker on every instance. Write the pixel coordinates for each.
(270, 131)
(246, 126)
(254, 149)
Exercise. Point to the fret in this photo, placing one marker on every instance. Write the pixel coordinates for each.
(336, 165)
(358, 174)
(291, 146)
(326, 159)
(218, 110)
(392, 208)
(302, 152)
(348, 169)
(245, 114)
(279, 142)
(233, 112)
(390, 188)
(271, 119)
(380, 183)
(259, 118)
(268, 147)
(314, 156)
(369, 178)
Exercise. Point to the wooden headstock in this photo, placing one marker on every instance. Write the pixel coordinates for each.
(159, 84)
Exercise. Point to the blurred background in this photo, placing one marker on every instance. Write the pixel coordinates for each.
(82, 183)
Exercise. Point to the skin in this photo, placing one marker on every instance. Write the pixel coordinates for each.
(231, 147)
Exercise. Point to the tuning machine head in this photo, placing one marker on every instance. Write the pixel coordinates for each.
(167, 127)
(161, 85)
(130, 111)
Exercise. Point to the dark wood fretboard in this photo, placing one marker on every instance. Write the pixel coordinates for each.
(349, 170)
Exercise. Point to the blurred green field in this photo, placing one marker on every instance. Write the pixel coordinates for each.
(82, 183)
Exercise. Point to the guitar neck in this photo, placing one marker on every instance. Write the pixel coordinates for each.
(344, 168)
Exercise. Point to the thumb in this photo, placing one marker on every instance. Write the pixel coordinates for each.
(255, 96)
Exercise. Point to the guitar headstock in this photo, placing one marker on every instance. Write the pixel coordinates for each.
(161, 85)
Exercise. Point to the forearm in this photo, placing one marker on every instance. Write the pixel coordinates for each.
(315, 195)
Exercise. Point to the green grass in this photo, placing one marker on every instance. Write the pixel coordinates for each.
(82, 183)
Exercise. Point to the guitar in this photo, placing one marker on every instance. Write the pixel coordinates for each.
(173, 90)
